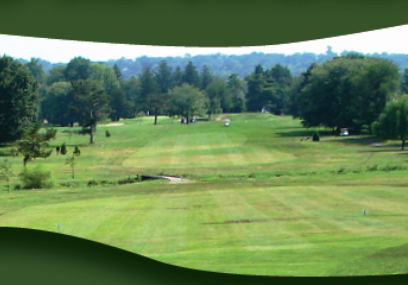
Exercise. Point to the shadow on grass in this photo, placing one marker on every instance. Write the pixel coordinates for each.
(305, 133)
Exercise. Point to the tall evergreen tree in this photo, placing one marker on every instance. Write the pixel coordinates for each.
(190, 75)
(205, 77)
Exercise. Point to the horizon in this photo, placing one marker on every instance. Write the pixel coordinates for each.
(388, 40)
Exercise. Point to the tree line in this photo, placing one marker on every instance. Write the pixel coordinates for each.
(350, 91)
(225, 65)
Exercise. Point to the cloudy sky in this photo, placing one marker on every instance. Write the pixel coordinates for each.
(390, 40)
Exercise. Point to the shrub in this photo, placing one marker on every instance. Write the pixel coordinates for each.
(107, 134)
(77, 151)
(63, 149)
(93, 183)
(316, 137)
(372, 168)
(37, 178)
(341, 170)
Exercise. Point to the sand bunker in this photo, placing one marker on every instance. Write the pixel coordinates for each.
(112, 125)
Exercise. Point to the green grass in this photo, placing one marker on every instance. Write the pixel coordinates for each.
(260, 201)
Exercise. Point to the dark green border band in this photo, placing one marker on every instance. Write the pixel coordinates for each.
(198, 22)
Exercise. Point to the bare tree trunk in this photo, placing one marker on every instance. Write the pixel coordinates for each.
(403, 145)
(188, 119)
(26, 158)
(209, 117)
(155, 116)
(92, 135)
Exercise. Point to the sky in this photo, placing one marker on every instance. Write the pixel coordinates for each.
(390, 40)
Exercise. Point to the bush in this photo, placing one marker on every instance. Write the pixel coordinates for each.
(128, 180)
(372, 168)
(37, 178)
(107, 134)
(77, 151)
(63, 149)
(316, 137)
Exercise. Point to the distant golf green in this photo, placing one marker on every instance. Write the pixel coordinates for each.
(262, 198)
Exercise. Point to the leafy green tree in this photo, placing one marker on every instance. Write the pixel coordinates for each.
(256, 84)
(215, 91)
(148, 86)
(36, 70)
(118, 73)
(187, 101)
(190, 75)
(57, 74)
(18, 99)
(348, 91)
(376, 82)
(92, 104)
(78, 68)
(6, 173)
(106, 76)
(237, 90)
(393, 121)
(35, 145)
(132, 89)
(55, 107)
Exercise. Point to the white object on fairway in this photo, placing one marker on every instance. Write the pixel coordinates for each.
(227, 123)
(344, 132)
(58, 226)
(365, 211)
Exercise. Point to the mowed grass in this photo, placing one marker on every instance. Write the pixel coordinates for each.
(288, 224)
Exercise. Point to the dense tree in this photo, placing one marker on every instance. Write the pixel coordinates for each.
(36, 70)
(78, 69)
(393, 121)
(148, 86)
(404, 81)
(205, 77)
(190, 75)
(6, 173)
(237, 90)
(177, 77)
(163, 77)
(18, 99)
(215, 91)
(118, 73)
(57, 74)
(374, 85)
(256, 83)
(349, 91)
(187, 101)
(92, 104)
(55, 107)
(132, 89)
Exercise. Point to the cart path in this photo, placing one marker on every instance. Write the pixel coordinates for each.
(174, 179)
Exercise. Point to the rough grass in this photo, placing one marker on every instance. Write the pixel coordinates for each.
(263, 202)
